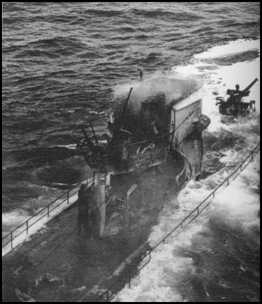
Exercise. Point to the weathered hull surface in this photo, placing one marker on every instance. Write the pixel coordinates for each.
(57, 264)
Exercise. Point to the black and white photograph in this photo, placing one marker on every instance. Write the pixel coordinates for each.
(130, 151)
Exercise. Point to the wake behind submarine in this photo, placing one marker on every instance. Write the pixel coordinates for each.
(142, 159)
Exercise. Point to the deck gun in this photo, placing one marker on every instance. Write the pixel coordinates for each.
(121, 119)
(244, 92)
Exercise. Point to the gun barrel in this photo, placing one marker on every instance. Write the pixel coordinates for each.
(250, 85)
(125, 106)
(126, 102)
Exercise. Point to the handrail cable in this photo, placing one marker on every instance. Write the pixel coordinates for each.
(68, 191)
(182, 223)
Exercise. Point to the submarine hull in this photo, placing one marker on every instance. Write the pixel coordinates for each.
(58, 264)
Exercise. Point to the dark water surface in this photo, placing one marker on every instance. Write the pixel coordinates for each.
(60, 60)
(60, 64)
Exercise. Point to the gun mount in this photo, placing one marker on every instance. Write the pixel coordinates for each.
(234, 105)
(244, 92)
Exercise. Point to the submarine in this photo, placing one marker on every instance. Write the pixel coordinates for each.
(141, 160)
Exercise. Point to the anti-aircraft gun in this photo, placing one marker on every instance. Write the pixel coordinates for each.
(236, 106)
(244, 92)
(137, 139)
(101, 151)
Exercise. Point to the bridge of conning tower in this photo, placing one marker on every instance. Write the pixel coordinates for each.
(113, 203)
(141, 134)
(182, 131)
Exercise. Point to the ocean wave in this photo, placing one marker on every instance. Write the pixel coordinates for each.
(36, 53)
(59, 174)
(127, 29)
(151, 57)
(52, 47)
(13, 218)
(115, 45)
(240, 57)
(43, 155)
(203, 29)
(160, 13)
(121, 37)
(24, 201)
(103, 13)
(225, 253)
(14, 20)
(232, 48)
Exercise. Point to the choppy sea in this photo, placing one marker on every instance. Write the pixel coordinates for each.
(64, 63)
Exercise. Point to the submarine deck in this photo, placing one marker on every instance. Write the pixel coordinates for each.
(76, 263)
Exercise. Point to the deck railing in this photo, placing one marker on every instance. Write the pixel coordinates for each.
(107, 293)
(20, 233)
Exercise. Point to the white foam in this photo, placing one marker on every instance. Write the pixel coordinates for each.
(14, 218)
(217, 79)
(36, 223)
(237, 205)
(232, 48)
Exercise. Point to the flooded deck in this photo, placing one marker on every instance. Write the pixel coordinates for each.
(57, 264)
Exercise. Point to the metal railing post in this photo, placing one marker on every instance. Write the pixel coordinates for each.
(12, 240)
(67, 194)
(27, 228)
(48, 211)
